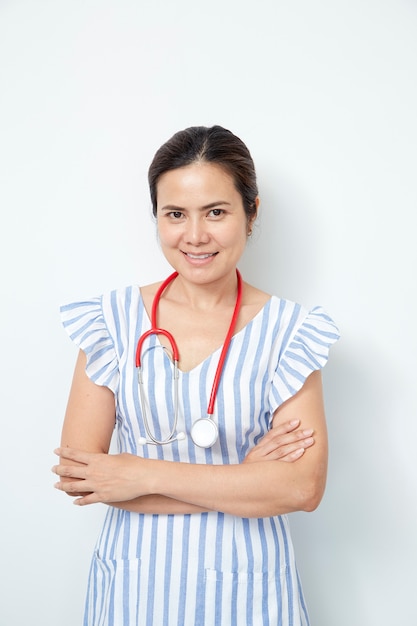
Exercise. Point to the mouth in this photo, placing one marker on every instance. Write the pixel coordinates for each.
(199, 257)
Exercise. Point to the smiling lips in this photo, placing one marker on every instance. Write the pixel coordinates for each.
(199, 257)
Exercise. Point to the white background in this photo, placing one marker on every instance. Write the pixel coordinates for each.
(324, 94)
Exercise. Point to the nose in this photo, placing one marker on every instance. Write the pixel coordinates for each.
(196, 231)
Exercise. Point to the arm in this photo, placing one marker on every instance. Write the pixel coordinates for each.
(89, 423)
(285, 442)
(88, 426)
(90, 414)
(262, 488)
(255, 489)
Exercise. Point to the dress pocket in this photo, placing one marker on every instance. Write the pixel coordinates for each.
(244, 597)
(112, 588)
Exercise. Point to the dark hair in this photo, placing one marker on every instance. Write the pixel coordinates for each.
(212, 145)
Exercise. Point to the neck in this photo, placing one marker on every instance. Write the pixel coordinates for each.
(205, 296)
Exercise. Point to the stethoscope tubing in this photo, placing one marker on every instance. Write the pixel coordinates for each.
(222, 358)
(154, 330)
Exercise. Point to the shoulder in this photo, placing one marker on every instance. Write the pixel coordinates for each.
(278, 312)
(110, 305)
(292, 324)
(284, 317)
(253, 301)
(254, 296)
(147, 294)
(121, 294)
(149, 291)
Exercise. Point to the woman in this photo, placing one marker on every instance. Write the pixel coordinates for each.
(196, 532)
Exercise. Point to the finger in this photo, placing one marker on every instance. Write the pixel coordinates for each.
(293, 435)
(293, 456)
(269, 444)
(285, 427)
(278, 431)
(70, 471)
(285, 433)
(296, 449)
(73, 488)
(265, 448)
(275, 441)
(71, 454)
(91, 498)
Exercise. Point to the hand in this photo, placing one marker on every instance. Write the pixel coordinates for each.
(284, 442)
(99, 477)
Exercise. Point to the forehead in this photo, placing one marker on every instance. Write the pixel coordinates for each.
(196, 179)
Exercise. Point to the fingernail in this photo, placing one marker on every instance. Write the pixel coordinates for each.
(308, 441)
(308, 432)
(294, 422)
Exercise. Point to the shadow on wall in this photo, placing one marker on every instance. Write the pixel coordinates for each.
(281, 256)
(351, 550)
(355, 569)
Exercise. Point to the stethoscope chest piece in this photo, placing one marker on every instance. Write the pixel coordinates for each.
(204, 432)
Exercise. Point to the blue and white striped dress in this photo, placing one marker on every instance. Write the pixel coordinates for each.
(208, 569)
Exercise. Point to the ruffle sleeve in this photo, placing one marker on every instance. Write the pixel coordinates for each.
(86, 327)
(306, 351)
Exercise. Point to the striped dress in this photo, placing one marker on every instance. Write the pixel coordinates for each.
(209, 569)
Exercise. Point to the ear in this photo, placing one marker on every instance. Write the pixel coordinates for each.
(253, 217)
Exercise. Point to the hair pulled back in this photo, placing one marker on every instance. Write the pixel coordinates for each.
(213, 144)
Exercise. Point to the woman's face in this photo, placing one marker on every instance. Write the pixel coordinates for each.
(201, 221)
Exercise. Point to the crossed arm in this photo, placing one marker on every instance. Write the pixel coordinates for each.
(285, 472)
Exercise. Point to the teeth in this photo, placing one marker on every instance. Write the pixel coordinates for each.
(199, 256)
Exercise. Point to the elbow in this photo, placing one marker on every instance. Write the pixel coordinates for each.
(310, 504)
(300, 498)
(312, 488)
(311, 496)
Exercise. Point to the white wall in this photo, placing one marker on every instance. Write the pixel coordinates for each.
(324, 94)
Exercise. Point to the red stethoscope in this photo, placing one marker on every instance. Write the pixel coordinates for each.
(204, 431)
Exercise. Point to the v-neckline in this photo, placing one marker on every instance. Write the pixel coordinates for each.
(211, 355)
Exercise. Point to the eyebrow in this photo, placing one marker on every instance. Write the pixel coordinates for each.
(212, 205)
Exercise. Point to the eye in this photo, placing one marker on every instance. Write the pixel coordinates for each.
(175, 215)
(216, 212)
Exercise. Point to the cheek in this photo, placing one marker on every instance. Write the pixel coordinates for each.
(164, 233)
(241, 235)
